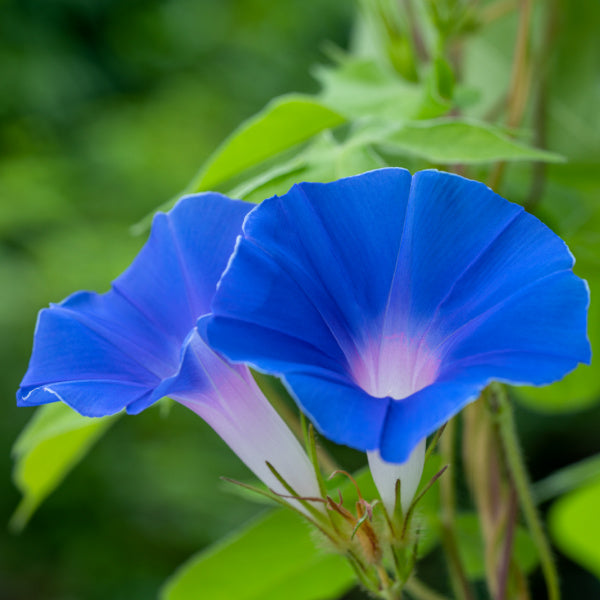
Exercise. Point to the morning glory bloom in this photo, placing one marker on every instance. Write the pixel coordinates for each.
(129, 347)
(387, 302)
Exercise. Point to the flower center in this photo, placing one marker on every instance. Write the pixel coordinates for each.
(395, 366)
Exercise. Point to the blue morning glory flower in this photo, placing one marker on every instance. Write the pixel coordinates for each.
(388, 302)
(129, 347)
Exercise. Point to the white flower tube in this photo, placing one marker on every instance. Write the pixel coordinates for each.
(228, 399)
(386, 474)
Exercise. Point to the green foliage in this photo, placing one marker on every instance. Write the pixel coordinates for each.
(54, 441)
(575, 526)
(363, 103)
(324, 159)
(362, 87)
(459, 141)
(381, 108)
(269, 565)
(274, 557)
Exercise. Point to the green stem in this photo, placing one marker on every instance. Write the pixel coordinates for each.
(520, 82)
(521, 71)
(514, 460)
(390, 594)
(507, 546)
(388, 591)
(540, 103)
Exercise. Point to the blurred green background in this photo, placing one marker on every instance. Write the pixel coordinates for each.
(107, 109)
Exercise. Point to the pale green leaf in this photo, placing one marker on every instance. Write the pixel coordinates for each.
(52, 443)
(273, 557)
(323, 160)
(282, 124)
(359, 87)
(276, 556)
(450, 141)
(575, 527)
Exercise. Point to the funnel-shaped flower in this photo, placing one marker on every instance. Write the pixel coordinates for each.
(131, 346)
(387, 302)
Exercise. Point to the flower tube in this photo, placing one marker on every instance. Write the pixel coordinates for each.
(387, 302)
(129, 347)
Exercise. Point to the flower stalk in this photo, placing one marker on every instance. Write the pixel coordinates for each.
(496, 500)
(501, 409)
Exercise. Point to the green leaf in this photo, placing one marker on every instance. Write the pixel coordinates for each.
(449, 141)
(471, 550)
(359, 87)
(575, 527)
(284, 123)
(322, 160)
(273, 557)
(52, 443)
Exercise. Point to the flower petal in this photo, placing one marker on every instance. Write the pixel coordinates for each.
(139, 342)
(340, 410)
(265, 301)
(90, 398)
(90, 344)
(173, 279)
(523, 253)
(546, 318)
(450, 222)
(307, 266)
(410, 420)
(73, 342)
(366, 290)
